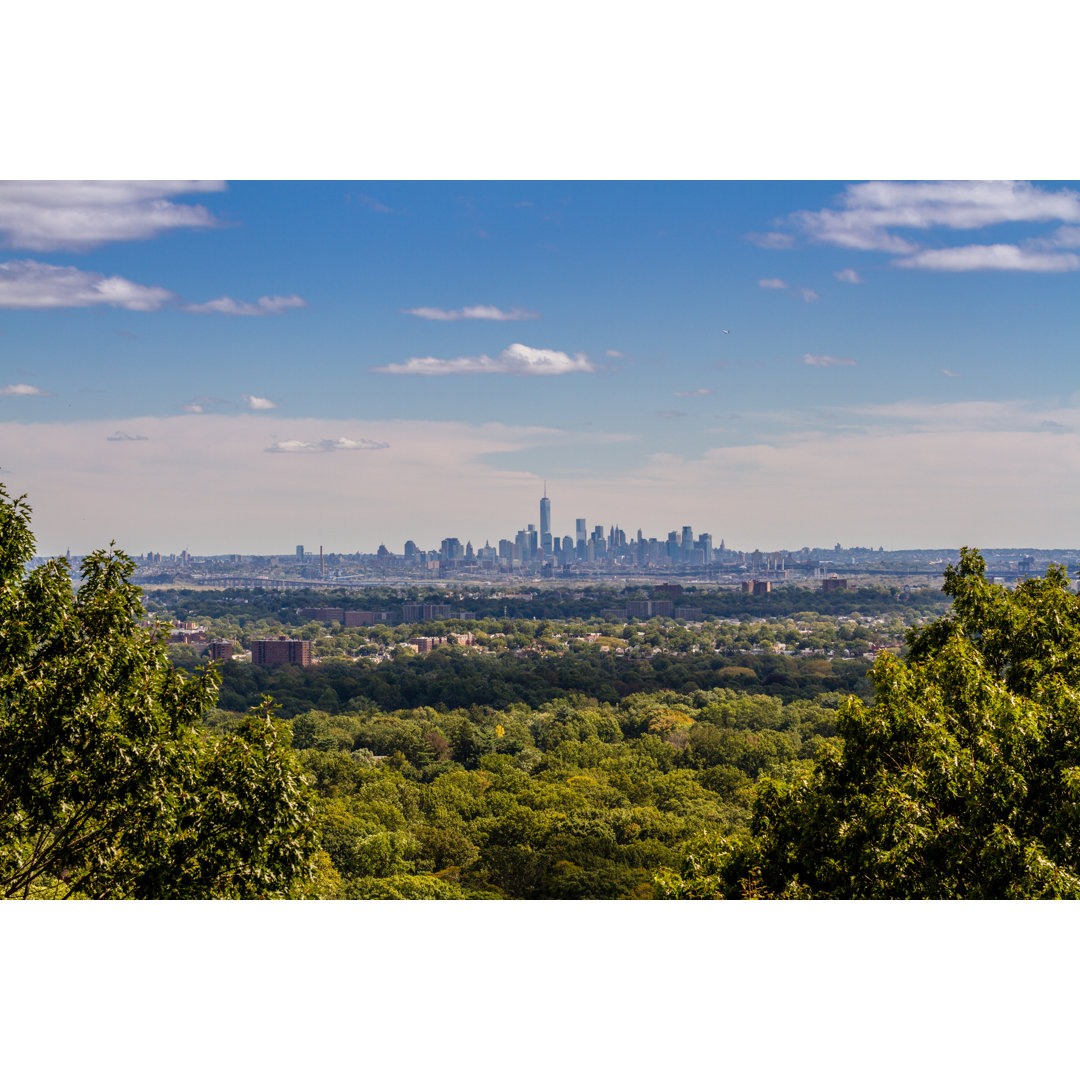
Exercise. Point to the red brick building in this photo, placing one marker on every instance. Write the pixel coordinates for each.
(221, 650)
(273, 652)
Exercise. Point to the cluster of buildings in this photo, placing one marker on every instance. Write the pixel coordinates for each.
(533, 547)
(536, 550)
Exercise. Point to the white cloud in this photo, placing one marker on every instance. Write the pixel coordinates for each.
(991, 257)
(258, 403)
(81, 214)
(914, 415)
(516, 360)
(23, 390)
(213, 468)
(475, 311)
(950, 374)
(274, 305)
(693, 393)
(1067, 236)
(266, 305)
(324, 446)
(850, 277)
(198, 405)
(819, 487)
(29, 285)
(870, 213)
(374, 205)
(776, 241)
(778, 283)
(479, 481)
(615, 354)
(827, 361)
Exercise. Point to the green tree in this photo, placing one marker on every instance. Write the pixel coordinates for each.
(109, 784)
(961, 780)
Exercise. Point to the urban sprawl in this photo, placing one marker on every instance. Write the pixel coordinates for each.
(598, 553)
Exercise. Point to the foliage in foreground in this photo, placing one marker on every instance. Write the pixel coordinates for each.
(962, 780)
(109, 785)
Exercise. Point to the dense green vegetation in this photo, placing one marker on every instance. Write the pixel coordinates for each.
(962, 780)
(245, 608)
(110, 785)
(454, 678)
(546, 758)
(576, 799)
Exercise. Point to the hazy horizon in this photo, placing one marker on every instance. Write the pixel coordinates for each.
(249, 366)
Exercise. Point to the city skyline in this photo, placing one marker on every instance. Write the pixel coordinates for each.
(207, 365)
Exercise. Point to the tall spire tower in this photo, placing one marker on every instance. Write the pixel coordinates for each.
(545, 523)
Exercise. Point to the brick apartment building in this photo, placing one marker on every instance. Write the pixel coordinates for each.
(413, 613)
(273, 652)
(221, 649)
(757, 587)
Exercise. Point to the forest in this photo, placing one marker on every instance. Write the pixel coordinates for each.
(575, 799)
(548, 758)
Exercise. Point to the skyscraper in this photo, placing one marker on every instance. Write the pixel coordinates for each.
(545, 523)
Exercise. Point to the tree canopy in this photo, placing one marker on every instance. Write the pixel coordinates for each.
(109, 785)
(961, 780)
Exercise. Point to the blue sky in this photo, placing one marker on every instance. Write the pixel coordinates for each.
(244, 366)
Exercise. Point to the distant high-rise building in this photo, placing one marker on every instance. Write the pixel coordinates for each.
(545, 523)
(300, 552)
